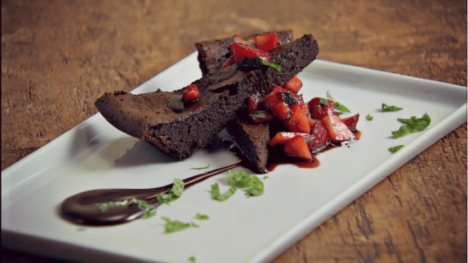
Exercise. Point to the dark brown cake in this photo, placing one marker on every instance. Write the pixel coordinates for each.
(251, 140)
(180, 134)
(213, 53)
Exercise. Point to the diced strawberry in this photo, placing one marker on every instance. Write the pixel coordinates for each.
(191, 93)
(320, 108)
(351, 122)
(298, 121)
(304, 107)
(281, 138)
(294, 85)
(261, 116)
(240, 51)
(320, 137)
(267, 42)
(253, 104)
(338, 131)
(277, 106)
(297, 147)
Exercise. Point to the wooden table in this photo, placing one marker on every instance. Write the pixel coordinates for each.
(59, 56)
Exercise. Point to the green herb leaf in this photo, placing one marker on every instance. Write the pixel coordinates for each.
(266, 177)
(201, 168)
(175, 226)
(245, 180)
(369, 117)
(388, 108)
(289, 98)
(395, 149)
(192, 260)
(174, 193)
(273, 65)
(412, 125)
(150, 209)
(201, 217)
(215, 194)
(338, 106)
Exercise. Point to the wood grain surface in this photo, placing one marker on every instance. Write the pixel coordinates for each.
(58, 57)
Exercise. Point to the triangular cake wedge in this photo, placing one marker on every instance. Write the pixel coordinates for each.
(180, 134)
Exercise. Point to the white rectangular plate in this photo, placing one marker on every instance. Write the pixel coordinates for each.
(95, 155)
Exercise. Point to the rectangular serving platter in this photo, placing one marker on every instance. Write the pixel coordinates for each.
(95, 155)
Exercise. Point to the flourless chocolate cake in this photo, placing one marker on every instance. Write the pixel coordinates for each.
(180, 133)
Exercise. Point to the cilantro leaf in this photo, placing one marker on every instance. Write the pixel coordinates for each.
(388, 108)
(395, 148)
(174, 193)
(149, 209)
(201, 217)
(369, 117)
(215, 194)
(175, 226)
(273, 65)
(338, 106)
(412, 125)
(245, 180)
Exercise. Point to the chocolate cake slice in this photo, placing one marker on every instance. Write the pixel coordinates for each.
(251, 140)
(213, 53)
(179, 133)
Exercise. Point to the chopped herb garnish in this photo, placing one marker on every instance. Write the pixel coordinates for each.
(289, 98)
(175, 226)
(201, 217)
(266, 177)
(412, 125)
(391, 108)
(174, 193)
(273, 65)
(192, 260)
(369, 117)
(215, 194)
(150, 209)
(395, 149)
(201, 168)
(338, 106)
(252, 185)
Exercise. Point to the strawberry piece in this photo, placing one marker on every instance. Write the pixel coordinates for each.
(293, 85)
(320, 137)
(297, 147)
(274, 101)
(240, 51)
(253, 104)
(261, 116)
(267, 42)
(319, 108)
(351, 122)
(304, 107)
(299, 121)
(191, 93)
(338, 131)
(282, 137)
